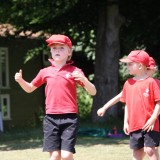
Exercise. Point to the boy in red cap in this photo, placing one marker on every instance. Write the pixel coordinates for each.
(141, 96)
(141, 75)
(60, 124)
(150, 71)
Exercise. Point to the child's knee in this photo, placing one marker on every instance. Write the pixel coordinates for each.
(138, 154)
(55, 155)
(150, 151)
(66, 155)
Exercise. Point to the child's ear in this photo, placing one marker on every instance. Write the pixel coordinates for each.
(140, 66)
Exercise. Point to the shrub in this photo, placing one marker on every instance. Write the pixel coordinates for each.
(84, 103)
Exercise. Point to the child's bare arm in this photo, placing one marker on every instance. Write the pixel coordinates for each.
(110, 103)
(90, 88)
(28, 87)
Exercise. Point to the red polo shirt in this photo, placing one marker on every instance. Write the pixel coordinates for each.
(140, 98)
(60, 89)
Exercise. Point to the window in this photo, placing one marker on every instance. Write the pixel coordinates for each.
(4, 83)
(5, 106)
(4, 80)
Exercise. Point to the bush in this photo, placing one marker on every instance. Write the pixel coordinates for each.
(84, 103)
(123, 73)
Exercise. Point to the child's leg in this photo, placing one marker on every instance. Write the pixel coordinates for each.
(138, 154)
(52, 142)
(66, 155)
(152, 153)
(69, 129)
(55, 155)
(137, 144)
(151, 141)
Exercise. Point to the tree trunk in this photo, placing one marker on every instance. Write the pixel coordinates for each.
(107, 60)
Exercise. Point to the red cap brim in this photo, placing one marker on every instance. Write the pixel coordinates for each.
(50, 44)
(125, 60)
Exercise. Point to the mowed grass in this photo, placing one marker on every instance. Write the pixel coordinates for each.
(27, 145)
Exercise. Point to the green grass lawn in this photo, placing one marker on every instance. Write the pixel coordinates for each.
(27, 145)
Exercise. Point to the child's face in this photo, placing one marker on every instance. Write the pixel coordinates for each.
(133, 68)
(60, 52)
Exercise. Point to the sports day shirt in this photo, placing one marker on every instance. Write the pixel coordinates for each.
(140, 98)
(60, 89)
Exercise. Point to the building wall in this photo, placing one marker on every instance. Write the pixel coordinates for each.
(24, 107)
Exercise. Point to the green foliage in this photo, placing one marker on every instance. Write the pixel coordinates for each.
(84, 103)
(157, 74)
(84, 42)
(123, 73)
(140, 27)
(34, 14)
(65, 17)
(34, 52)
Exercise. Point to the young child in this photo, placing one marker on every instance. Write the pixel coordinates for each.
(150, 71)
(60, 124)
(141, 96)
(148, 126)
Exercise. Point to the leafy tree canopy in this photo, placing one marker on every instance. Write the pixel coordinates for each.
(76, 18)
(79, 19)
(50, 16)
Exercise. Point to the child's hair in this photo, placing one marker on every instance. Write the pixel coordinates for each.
(69, 57)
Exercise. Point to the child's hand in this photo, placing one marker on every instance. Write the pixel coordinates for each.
(101, 112)
(149, 125)
(18, 76)
(78, 76)
(125, 128)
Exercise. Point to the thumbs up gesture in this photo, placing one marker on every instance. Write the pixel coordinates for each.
(18, 76)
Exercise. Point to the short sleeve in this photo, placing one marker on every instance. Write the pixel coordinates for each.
(39, 79)
(123, 97)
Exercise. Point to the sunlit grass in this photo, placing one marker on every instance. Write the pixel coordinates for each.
(27, 145)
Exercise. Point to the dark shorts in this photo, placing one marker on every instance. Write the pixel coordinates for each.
(140, 139)
(60, 132)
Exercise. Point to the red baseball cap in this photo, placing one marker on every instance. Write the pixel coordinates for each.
(139, 56)
(59, 38)
(152, 63)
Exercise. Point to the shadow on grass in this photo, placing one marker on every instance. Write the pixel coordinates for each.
(37, 143)
(21, 139)
(89, 141)
(27, 139)
(20, 145)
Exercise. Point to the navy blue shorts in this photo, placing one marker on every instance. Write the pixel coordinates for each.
(60, 132)
(140, 139)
